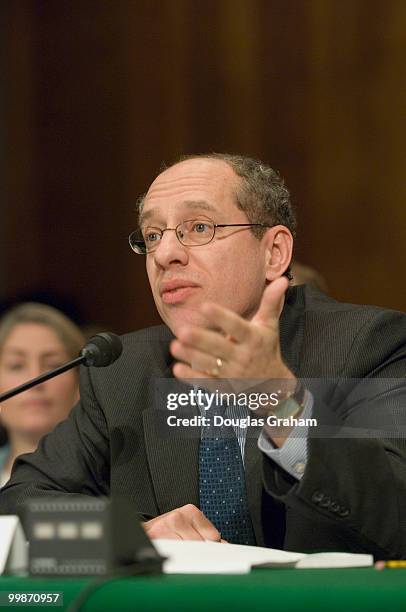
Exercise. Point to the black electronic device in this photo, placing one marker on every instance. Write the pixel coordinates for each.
(80, 535)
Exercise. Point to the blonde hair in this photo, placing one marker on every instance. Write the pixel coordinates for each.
(32, 312)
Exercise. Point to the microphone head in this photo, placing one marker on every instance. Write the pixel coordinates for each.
(102, 350)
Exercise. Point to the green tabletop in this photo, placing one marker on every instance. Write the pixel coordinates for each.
(275, 590)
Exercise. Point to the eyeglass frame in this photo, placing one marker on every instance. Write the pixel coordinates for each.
(175, 229)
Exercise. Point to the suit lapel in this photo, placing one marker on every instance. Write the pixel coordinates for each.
(291, 328)
(291, 336)
(172, 452)
(253, 483)
(174, 463)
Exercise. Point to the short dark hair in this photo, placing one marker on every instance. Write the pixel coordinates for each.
(262, 193)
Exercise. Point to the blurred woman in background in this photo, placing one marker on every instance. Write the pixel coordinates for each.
(35, 338)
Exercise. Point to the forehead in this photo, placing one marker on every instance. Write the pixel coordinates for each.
(197, 183)
(32, 337)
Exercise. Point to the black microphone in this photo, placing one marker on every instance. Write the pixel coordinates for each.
(100, 351)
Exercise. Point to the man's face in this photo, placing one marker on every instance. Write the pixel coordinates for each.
(230, 270)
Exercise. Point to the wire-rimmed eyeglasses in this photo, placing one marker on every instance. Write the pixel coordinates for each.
(190, 233)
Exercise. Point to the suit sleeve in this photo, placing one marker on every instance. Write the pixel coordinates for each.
(73, 459)
(354, 485)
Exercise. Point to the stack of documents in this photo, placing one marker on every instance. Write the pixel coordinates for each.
(198, 557)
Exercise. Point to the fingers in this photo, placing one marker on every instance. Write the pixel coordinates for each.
(185, 372)
(198, 357)
(232, 325)
(245, 348)
(199, 349)
(185, 523)
(203, 526)
(227, 321)
(272, 303)
(204, 340)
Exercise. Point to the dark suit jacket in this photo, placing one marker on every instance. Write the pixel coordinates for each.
(352, 495)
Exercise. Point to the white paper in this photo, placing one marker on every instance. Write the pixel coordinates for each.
(13, 547)
(198, 557)
(334, 560)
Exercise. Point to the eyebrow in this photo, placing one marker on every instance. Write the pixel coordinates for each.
(189, 204)
(22, 352)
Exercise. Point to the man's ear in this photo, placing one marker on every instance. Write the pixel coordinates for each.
(278, 242)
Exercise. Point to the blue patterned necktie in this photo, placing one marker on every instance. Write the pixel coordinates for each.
(223, 498)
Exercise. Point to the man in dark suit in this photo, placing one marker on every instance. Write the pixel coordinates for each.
(217, 232)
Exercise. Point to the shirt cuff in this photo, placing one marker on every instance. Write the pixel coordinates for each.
(292, 456)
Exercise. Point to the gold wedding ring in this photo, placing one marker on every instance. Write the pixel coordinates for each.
(216, 370)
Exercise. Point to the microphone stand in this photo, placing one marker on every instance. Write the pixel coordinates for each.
(42, 378)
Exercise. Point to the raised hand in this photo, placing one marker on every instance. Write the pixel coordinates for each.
(229, 346)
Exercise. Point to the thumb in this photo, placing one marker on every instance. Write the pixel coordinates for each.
(272, 302)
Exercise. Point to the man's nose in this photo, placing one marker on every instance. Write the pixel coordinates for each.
(170, 250)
